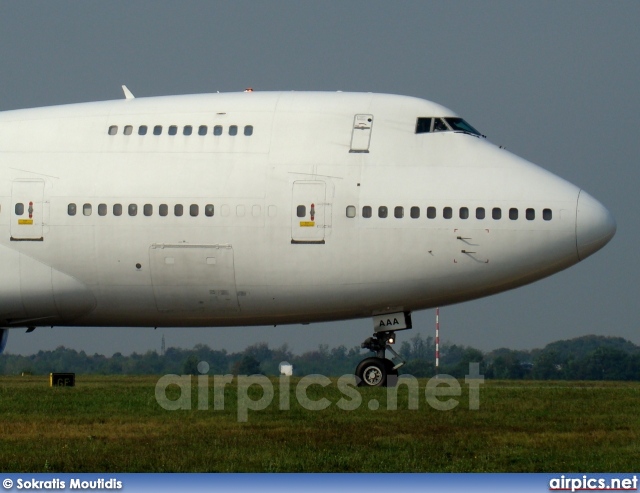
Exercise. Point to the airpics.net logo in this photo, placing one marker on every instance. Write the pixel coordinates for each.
(440, 392)
(586, 483)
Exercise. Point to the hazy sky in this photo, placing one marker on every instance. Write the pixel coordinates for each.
(555, 82)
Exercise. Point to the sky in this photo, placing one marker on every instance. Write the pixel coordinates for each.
(554, 82)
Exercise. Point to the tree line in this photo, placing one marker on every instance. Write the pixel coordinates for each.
(583, 358)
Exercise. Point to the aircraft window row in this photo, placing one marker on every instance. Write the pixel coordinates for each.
(447, 213)
(147, 209)
(186, 130)
(449, 124)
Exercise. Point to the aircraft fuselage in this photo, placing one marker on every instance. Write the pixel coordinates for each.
(269, 208)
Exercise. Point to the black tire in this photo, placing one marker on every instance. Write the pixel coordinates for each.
(372, 372)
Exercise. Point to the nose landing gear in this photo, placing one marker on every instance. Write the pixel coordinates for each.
(378, 371)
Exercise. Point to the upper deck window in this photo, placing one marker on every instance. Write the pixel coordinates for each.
(448, 124)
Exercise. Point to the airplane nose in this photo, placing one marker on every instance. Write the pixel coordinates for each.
(595, 225)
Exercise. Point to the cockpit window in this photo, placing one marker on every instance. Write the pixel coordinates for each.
(423, 125)
(448, 124)
(458, 124)
(439, 125)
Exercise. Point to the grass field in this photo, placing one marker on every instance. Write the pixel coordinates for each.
(115, 424)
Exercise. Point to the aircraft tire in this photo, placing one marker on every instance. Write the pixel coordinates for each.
(372, 372)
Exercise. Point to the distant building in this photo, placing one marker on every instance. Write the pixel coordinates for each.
(286, 369)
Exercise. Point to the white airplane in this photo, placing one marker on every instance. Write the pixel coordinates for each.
(271, 208)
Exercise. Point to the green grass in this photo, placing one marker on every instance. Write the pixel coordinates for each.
(109, 424)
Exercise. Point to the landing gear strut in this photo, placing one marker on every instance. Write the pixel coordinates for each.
(378, 371)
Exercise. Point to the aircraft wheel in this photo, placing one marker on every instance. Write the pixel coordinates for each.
(372, 372)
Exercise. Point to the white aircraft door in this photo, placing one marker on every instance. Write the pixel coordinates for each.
(361, 133)
(27, 210)
(309, 210)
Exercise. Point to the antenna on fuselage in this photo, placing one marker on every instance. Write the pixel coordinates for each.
(127, 93)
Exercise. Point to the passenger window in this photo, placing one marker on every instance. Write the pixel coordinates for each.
(398, 212)
(496, 213)
(163, 210)
(178, 210)
(415, 212)
(102, 209)
(351, 211)
(19, 209)
(301, 211)
(423, 125)
(188, 130)
(133, 209)
(217, 130)
(142, 130)
(233, 130)
(447, 213)
(117, 209)
(173, 130)
(431, 212)
(71, 210)
(157, 130)
(480, 213)
(86, 209)
(248, 130)
(383, 211)
(113, 129)
(147, 209)
(128, 130)
(366, 211)
(513, 213)
(547, 215)
(464, 213)
(208, 210)
(194, 210)
(202, 130)
(531, 214)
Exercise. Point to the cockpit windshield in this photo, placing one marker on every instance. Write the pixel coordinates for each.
(461, 126)
(448, 124)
